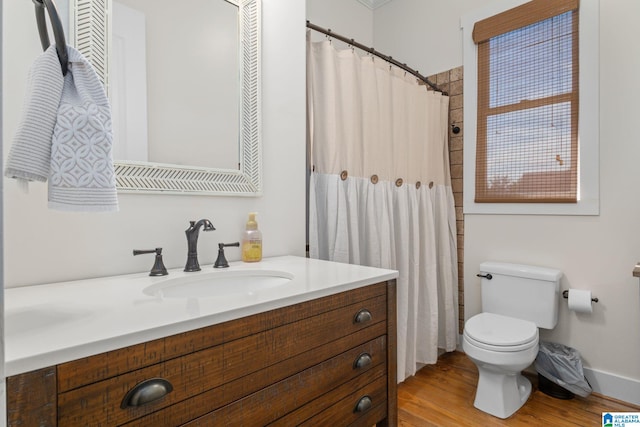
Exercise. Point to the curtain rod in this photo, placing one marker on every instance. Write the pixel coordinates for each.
(372, 51)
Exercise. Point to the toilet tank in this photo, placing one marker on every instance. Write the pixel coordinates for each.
(522, 291)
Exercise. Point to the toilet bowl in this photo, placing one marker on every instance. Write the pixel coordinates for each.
(501, 347)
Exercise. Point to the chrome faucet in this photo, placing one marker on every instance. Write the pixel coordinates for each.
(192, 242)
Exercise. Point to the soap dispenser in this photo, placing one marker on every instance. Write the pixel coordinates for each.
(252, 241)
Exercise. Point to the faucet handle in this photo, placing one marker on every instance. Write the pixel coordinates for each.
(158, 268)
(221, 262)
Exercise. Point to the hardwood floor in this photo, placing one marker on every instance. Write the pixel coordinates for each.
(443, 394)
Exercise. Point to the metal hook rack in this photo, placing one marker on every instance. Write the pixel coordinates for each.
(58, 31)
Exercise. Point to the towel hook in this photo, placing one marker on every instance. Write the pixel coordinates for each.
(58, 31)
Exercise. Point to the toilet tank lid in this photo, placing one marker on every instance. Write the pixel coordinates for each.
(521, 270)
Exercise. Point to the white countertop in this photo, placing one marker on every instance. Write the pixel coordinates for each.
(59, 322)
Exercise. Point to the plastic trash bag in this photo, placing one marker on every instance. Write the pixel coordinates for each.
(563, 366)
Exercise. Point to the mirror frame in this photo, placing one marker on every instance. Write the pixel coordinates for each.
(91, 34)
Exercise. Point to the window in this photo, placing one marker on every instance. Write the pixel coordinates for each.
(588, 132)
(527, 129)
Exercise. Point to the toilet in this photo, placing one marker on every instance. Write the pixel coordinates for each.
(503, 340)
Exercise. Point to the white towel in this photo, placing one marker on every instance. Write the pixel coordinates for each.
(30, 155)
(65, 135)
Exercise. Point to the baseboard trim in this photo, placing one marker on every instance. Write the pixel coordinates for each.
(614, 386)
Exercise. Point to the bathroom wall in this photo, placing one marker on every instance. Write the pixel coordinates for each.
(594, 252)
(42, 245)
(348, 18)
(423, 33)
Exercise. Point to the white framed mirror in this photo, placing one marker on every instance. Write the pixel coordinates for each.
(93, 34)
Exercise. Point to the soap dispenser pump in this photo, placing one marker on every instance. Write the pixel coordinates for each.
(252, 241)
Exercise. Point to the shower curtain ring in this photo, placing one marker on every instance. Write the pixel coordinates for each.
(328, 36)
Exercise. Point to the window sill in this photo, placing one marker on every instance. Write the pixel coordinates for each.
(583, 207)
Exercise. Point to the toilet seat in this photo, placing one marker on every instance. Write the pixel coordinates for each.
(500, 333)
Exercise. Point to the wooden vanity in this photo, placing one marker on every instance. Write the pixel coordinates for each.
(326, 361)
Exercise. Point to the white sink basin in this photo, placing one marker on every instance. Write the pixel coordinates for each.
(220, 283)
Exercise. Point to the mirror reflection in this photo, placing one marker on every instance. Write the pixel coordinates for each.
(207, 117)
(174, 82)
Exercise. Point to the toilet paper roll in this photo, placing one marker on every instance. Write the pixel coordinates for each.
(580, 301)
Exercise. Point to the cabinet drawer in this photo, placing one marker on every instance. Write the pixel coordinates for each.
(338, 406)
(258, 351)
(99, 404)
(286, 396)
(208, 369)
(347, 412)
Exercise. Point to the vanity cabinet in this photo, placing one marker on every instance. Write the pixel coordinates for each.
(327, 361)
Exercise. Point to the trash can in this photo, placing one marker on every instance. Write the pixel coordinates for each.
(560, 371)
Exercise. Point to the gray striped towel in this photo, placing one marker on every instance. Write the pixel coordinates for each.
(65, 136)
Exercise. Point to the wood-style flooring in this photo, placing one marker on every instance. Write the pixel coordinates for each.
(443, 394)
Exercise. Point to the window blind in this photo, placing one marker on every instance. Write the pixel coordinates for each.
(527, 142)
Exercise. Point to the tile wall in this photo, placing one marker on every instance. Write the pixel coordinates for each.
(451, 82)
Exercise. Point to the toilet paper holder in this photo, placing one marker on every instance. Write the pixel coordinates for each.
(565, 294)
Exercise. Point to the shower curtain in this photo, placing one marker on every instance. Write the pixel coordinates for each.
(380, 189)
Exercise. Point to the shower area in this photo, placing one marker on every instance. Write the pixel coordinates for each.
(385, 182)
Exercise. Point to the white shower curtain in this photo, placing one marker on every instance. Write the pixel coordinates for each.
(380, 191)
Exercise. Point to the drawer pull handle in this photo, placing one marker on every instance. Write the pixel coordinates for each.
(146, 392)
(364, 404)
(363, 316)
(361, 361)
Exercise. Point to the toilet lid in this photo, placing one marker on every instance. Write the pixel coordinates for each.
(496, 330)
